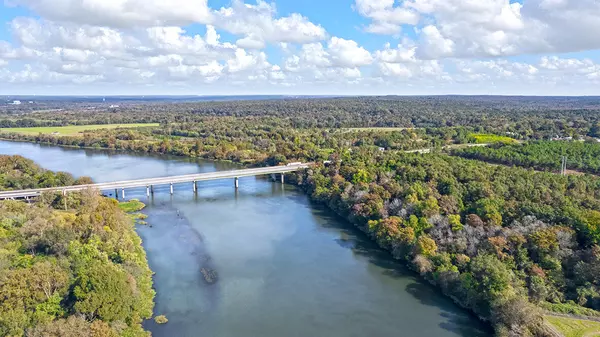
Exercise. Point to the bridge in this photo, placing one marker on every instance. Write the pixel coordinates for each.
(149, 183)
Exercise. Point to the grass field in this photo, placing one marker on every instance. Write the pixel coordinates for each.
(571, 327)
(482, 138)
(73, 129)
(132, 205)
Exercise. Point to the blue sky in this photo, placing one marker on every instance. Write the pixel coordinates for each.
(530, 47)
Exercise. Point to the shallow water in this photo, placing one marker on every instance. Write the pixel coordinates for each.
(279, 265)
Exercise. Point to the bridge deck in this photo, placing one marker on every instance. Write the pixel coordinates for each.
(157, 181)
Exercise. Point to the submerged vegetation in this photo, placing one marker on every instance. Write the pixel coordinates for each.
(67, 273)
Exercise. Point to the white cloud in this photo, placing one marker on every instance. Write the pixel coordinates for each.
(35, 34)
(340, 53)
(404, 53)
(247, 61)
(348, 53)
(121, 13)
(258, 25)
(456, 44)
(434, 45)
(481, 28)
(387, 19)
(394, 69)
(74, 53)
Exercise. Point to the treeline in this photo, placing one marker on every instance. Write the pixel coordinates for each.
(81, 272)
(530, 118)
(542, 155)
(496, 239)
(18, 173)
(256, 140)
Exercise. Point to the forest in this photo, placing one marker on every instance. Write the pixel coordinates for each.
(505, 241)
(496, 239)
(540, 155)
(527, 117)
(75, 272)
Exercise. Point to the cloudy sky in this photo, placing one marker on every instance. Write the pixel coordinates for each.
(206, 47)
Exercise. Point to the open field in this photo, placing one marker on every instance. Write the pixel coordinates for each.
(483, 138)
(571, 327)
(73, 129)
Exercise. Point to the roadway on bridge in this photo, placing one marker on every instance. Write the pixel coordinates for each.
(158, 181)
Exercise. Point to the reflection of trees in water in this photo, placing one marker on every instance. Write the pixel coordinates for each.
(455, 319)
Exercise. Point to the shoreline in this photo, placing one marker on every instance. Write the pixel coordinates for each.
(294, 182)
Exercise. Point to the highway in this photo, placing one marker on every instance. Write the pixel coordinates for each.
(150, 182)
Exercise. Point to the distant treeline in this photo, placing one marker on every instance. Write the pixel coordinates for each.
(527, 117)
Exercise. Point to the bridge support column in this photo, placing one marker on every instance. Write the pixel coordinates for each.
(195, 186)
(152, 189)
(283, 178)
(171, 188)
(116, 194)
(148, 191)
(236, 183)
(123, 193)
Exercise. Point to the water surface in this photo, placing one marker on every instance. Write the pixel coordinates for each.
(280, 265)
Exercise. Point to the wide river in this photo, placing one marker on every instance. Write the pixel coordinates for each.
(282, 266)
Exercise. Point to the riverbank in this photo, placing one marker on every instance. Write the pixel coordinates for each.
(80, 271)
(280, 260)
(297, 180)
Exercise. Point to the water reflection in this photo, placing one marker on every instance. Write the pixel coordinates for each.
(283, 266)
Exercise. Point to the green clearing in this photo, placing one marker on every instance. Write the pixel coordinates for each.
(569, 309)
(132, 208)
(484, 138)
(133, 205)
(73, 129)
(571, 327)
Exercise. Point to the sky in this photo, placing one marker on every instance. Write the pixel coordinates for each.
(299, 47)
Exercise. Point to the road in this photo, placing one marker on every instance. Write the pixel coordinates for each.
(158, 181)
(453, 146)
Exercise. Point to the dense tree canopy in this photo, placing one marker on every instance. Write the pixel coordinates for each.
(501, 241)
(487, 235)
(541, 155)
(81, 272)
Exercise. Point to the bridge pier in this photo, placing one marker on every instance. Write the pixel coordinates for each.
(119, 187)
(283, 178)
(148, 191)
(195, 186)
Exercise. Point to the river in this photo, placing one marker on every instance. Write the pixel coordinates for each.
(282, 266)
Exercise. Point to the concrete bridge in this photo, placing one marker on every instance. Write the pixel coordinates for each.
(149, 183)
